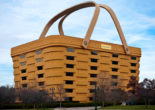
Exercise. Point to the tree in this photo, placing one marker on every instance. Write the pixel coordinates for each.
(146, 91)
(7, 94)
(118, 96)
(103, 85)
(33, 96)
(61, 93)
(132, 86)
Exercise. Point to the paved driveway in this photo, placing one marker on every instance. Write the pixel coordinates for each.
(76, 108)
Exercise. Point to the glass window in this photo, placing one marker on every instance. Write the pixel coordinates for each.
(93, 60)
(69, 73)
(69, 57)
(90, 98)
(133, 64)
(115, 69)
(69, 90)
(39, 59)
(133, 58)
(114, 76)
(94, 52)
(22, 63)
(40, 75)
(92, 83)
(68, 99)
(115, 62)
(114, 55)
(39, 67)
(24, 85)
(69, 82)
(93, 75)
(92, 90)
(22, 56)
(24, 78)
(41, 83)
(38, 52)
(70, 50)
(133, 71)
(114, 83)
(93, 67)
(69, 66)
(23, 71)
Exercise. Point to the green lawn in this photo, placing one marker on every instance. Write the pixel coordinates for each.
(129, 107)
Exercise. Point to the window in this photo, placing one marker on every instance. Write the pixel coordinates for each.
(24, 85)
(94, 52)
(22, 56)
(69, 82)
(114, 76)
(93, 67)
(38, 52)
(69, 73)
(93, 75)
(22, 63)
(114, 83)
(69, 57)
(114, 55)
(69, 66)
(115, 69)
(70, 50)
(24, 78)
(115, 62)
(93, 60)
(92, 83)
(39, 59)
(41, 83)
(23, 71)
(92, 90)
(39, 67)
(133, 71)
(133, 58)
(90, 98)
(133, 64)
(40, 75)
(69, 90)
(69, 98)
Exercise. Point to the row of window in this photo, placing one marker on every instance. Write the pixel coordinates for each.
(96, 60)
(38, 68)
(37, 53)
(39, 84)
(39, 76)
(37, 60)
(96, 53)
(73, 50)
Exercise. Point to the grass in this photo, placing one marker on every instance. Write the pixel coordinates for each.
(129, 107)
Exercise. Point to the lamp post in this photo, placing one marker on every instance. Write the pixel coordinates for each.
(96, 89)
(52, 90)
(95, 99)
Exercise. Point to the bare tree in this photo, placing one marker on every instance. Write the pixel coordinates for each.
(61, 93)
(33, 96)
(103, 85)
(118, 96)
(7, 94)
(132, 86)
(146, 91)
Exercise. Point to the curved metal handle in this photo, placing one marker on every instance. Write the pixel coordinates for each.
(70, 10)
(88, 35)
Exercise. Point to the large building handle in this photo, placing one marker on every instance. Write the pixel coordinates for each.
(88, 34)
(70, 10)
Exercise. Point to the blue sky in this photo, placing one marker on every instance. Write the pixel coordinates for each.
(22, 21)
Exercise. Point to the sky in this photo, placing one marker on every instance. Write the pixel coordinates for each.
(22, 21)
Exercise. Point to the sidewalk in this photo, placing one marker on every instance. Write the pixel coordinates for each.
(76, 108)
